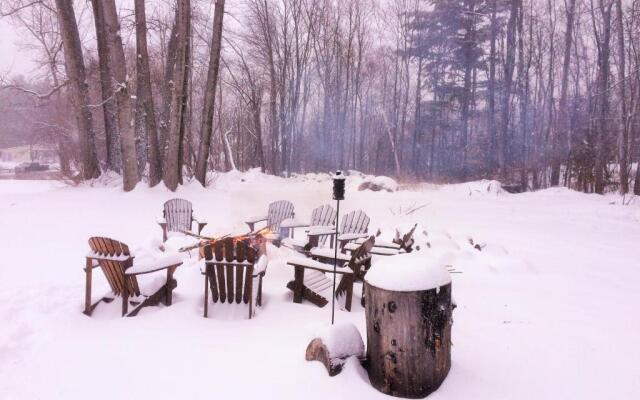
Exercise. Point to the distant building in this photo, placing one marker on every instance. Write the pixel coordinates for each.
(36, 152)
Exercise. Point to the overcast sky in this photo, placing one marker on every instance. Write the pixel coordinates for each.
(12, 60)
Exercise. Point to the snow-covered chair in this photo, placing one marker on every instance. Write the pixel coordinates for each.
(233, 273)
(353, 226)
(323, 217)
(399, 245)
(122, 273)
(312, 287)
(277, 212)
(177, 216)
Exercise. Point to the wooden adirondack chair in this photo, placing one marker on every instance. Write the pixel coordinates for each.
(230, 274)
(117, 264)
(400, 244)
(277, 212)
(177, 216)
(311, 288)
(323, 217)
(353, 226)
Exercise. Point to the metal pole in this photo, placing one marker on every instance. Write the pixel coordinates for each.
(335, 263)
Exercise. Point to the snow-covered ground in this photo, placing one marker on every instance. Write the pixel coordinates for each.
(548, 309)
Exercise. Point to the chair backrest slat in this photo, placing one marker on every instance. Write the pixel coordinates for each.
(277, 212)
(178, 213)
(113, 265)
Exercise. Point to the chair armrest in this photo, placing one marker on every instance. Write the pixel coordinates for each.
(161, 221)
(293, 223)
(199, 220)
(260, 266)
(352, 236)
(308, 263)
(94, 264)
(321, 230)
(253, 220)
(157, 265)
(201, 223)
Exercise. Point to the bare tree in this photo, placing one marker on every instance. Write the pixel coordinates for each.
(145, 94)
(74, 63)
(172, 163)
(206, 124)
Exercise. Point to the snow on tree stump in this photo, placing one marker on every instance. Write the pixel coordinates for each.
(408, 311)
(334, 345)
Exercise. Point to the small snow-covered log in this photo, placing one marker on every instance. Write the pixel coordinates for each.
(408, 312)
(334, 345)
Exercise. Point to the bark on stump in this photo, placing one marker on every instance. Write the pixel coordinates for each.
(408, 339)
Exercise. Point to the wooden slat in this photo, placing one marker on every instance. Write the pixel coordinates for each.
(230, 284)
(248, 279)
(309, 295)
(240, 253)
(221, 283)
(213, 283)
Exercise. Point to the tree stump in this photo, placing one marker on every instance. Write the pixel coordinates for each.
(408, 333)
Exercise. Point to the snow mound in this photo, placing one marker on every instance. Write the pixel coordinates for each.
(484, 187)
(233, 178)
(378, 183)
(408, 272)
(106, 179)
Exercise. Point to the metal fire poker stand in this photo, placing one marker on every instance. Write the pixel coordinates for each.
(338, 194)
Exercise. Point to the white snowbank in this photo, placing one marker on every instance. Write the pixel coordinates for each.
(407, 272)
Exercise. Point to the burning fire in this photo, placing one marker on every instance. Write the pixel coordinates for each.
(258, 238)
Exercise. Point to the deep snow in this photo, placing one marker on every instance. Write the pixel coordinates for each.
(548, 309)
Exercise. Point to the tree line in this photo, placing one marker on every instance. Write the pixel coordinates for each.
(535, 93)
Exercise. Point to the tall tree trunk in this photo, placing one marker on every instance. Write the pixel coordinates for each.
(491, 89)
(417, 141)
(167, 89)
(506, 94)
(623, 133)
(172, 172)
(603, 96)
(121, 89)
(561, 133)
(146, 96)
(206, 124)
(74, 65)
(110, 113)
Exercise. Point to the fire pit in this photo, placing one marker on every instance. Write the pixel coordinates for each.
(257, 240)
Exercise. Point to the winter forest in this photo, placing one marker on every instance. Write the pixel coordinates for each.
(535, 93)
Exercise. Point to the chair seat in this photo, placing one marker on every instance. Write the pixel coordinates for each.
(176, 241)
(294, 243)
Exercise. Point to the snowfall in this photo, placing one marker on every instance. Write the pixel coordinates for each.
(547, 308)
